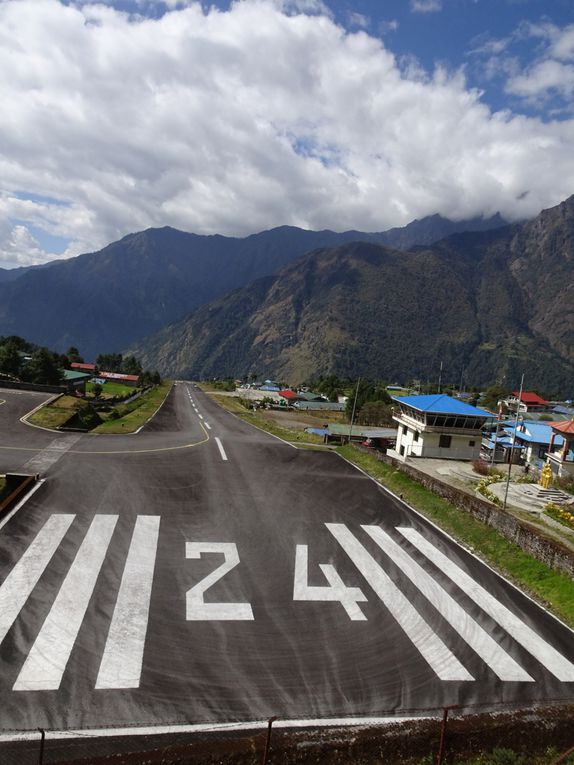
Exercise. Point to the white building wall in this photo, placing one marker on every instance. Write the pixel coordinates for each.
(427, 445)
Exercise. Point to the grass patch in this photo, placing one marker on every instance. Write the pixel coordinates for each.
(259, 419)
(127, 418)
(65, 410)
(553, 588)
(110, 390)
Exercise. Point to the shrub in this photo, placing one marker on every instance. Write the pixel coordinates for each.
(560, 514)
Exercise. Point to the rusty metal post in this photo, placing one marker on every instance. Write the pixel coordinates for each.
(441, 746)
(42, 741)
(562, 756)
(268, 740)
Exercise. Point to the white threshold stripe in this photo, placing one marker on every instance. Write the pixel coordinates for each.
(546, 654)
(47, 660)
(443, 662)
(121, 665)
(221, 449)
(18, 585)
(501, 663)
(157, 730)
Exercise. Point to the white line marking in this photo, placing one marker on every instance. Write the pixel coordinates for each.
(121, 665)
(46, 662)
(20, 582)
(327, 722)
(503, 665)
(207, 425)
(200, 416)
(434, 651)
(221, 450)
(548, 656)
(51, 453)
(22, 502)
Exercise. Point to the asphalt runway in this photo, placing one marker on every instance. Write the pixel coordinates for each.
(204, 572)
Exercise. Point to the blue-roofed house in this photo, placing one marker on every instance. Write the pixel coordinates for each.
(438, 426)
(535, 437)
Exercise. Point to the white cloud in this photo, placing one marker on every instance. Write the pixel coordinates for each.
(426, 6)
(549, 71)
(359, 20)
(233, 122)
(388, 26)
(542, 79)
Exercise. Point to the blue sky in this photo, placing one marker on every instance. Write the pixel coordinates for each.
(232, 117)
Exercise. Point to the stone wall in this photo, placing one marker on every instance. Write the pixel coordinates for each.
(528, 539)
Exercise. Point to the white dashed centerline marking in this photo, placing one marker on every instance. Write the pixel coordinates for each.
(208, 426)
(221, 449)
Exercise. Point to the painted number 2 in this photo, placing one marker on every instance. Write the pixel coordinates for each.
(196, 608)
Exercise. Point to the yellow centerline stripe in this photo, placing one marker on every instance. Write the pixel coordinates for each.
(114, 451)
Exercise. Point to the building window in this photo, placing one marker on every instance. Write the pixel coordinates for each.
(402, 450)
(444, 442)
(416, 435)
(471, 443)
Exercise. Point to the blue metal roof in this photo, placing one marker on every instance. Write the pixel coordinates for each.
(441, 404)
(536, 432)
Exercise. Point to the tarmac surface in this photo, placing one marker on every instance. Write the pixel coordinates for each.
(203, 572)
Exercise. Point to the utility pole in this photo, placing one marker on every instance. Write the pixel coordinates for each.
(513, 442)
(354, 407)
(440, 377)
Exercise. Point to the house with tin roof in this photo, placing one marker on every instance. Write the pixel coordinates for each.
(437, 426)
(525, 402)
(534, 438)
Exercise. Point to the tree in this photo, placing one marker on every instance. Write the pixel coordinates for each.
(9, 359)
(110, 362)
(73, 355)
(492, 396)
(367, 391)
(131, 366)
(42, 368)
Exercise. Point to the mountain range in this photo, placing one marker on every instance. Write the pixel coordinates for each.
(104, 301)
(485, 298)
(489, 305)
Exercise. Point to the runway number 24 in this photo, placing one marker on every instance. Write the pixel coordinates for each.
(334, 591)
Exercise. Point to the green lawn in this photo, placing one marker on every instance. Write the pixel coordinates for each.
(110, 389)
(60, 411)
(134, 414)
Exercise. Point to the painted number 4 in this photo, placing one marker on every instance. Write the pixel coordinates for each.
(336, 590)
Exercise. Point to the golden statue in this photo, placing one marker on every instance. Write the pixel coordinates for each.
(546, 476)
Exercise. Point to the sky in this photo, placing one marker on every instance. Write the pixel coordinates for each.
(233, 117)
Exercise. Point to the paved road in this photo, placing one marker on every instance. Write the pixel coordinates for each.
(204, 571)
